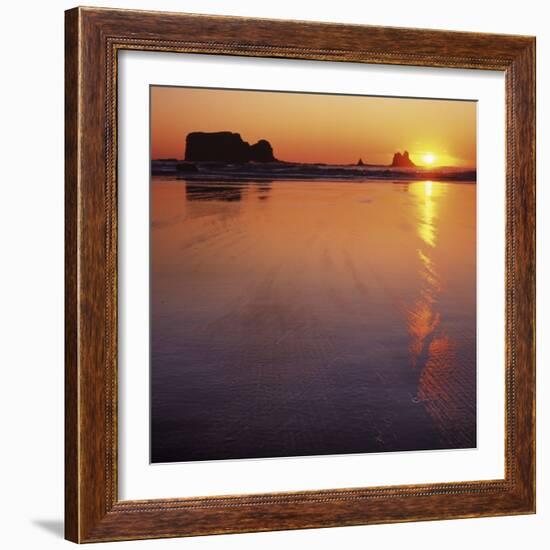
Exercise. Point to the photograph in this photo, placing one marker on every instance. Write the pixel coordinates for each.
(312, 274)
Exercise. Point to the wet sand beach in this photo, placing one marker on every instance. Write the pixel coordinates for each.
(297, 318)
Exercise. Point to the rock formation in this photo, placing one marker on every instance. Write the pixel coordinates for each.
(402, 160)
(225, 147)
(261, 152)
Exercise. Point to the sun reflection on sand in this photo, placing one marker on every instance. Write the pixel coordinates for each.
(423, 318)
(427, 193)
(432, 351)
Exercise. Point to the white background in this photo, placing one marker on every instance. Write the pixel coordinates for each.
(140, 480)
(31, 289)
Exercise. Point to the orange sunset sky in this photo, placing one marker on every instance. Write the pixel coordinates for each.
(333, 129)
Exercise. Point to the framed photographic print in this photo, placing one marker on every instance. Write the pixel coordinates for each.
(300, 275)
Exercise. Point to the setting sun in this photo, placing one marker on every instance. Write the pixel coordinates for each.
(429, 158)
(346, 128)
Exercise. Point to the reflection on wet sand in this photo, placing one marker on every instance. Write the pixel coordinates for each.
(433, 352)
(428, 196)
(334, 317)
(423, 317)
(224, 191)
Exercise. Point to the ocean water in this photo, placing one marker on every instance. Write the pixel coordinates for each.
(293, 318)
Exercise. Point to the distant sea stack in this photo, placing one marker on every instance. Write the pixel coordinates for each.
(225, 147)
(402, 161)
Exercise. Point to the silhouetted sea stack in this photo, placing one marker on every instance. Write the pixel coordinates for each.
(262, 152)
(225, 147)
(402, 160)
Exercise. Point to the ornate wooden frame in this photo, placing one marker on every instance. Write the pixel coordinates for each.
(93, 38)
